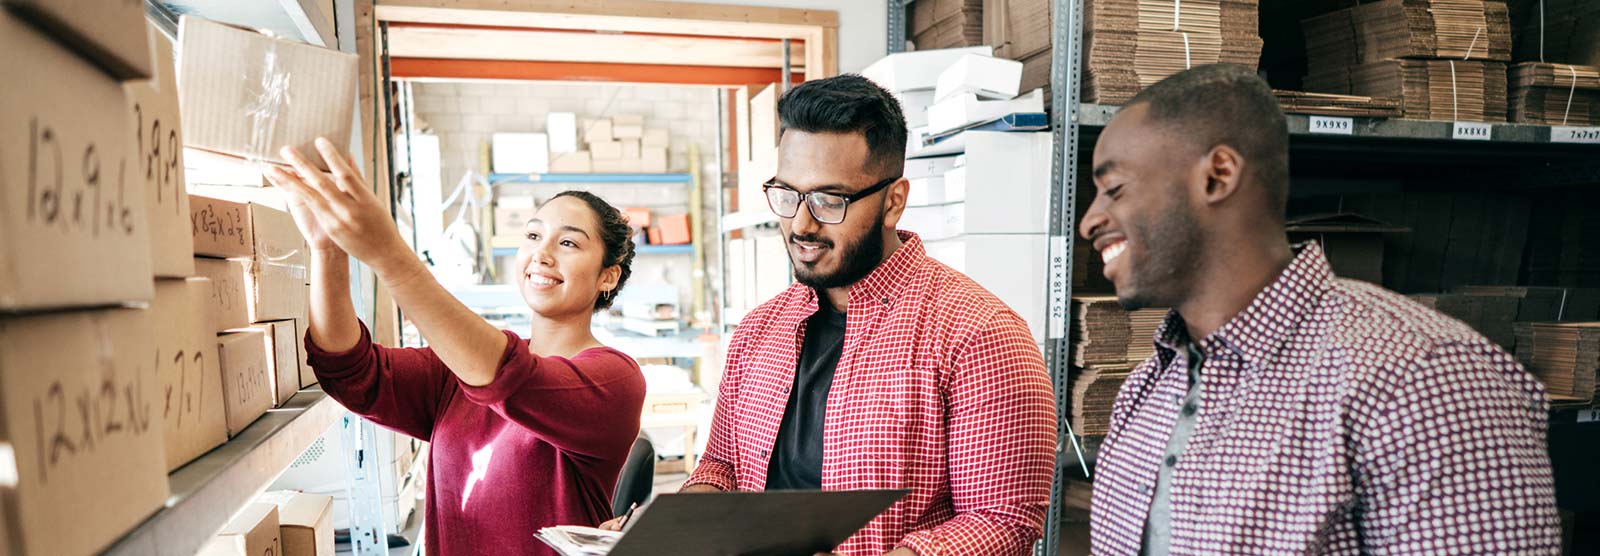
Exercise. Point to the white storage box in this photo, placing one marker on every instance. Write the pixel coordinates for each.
(520, 153)
(964, 109)
(915, 71)
(985, 76)
(914, 105)
(1012, 267)
(929, 167)
(1012, 173)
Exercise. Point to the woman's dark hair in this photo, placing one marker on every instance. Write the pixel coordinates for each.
(615, 234)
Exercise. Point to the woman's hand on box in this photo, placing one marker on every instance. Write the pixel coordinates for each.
(340, 211)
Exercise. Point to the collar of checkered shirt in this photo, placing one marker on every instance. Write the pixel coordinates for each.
(1260, 331)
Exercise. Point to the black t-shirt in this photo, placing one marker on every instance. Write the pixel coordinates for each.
(797, 454)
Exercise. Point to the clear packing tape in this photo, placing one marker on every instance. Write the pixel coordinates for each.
(269, 100)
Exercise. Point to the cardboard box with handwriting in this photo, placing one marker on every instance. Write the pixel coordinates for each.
(229, 302)
(246, 356)
(246, 94)
(153, 105)
(68, 174)
(220, 228)
(302, 326)
(185, 345)
(108, 33)
(284, 366)
(253, 532)
(82, 412)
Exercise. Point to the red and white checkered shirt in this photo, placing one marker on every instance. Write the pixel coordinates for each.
(1335, 417)
(939, 390)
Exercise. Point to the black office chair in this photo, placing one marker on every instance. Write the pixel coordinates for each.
(638, 476)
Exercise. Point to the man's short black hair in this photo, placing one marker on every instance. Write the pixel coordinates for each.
(850, 103)
(1227, 104)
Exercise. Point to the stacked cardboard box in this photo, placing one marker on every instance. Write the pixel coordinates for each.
(620, 144)
(1132, 44)
(1564, 31)
(1443, 58)
(1565, 356)
(1541, 304)
(1555, 94)
(939, 24)
(1107, 343)
(305, 522)
(75, 238)
(1299, 102)
(1489, 314)
(1475, 238)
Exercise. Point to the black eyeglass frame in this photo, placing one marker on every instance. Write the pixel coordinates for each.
(848, 198)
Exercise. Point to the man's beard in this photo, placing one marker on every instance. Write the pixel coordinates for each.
(1162, 277)
(857, 259)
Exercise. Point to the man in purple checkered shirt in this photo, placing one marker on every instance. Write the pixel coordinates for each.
(1288, 411)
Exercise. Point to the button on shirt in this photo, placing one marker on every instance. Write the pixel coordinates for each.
(1158, 527)
(939, 390)
(797, 453)
(1339, 418)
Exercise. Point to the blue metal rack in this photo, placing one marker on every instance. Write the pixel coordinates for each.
(497, 179)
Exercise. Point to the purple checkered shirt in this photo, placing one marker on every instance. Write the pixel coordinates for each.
(1336, 417)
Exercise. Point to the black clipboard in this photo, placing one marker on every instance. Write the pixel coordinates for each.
(778, 523)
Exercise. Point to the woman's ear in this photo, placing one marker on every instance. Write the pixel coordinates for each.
(609, 276)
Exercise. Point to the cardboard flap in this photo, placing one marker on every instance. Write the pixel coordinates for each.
(1345, 222)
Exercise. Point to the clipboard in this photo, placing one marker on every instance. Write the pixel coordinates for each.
(778, 523)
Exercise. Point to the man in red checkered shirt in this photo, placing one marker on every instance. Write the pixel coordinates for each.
(880, 368)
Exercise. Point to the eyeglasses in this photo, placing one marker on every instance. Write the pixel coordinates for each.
(827, 208)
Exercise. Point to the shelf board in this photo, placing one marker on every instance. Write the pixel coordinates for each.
(747, 219)
(302, 20)
(592, 179)
(208, 491)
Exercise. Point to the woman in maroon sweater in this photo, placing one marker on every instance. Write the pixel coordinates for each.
(524, 433)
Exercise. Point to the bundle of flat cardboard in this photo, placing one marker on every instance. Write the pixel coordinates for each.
(939, 24)
(1565, 31)
(1555, 94)
(1431, 89)
(1107, 343)
(1300, 102)
(1489, 314)
(1132, 44)
(1565, 356)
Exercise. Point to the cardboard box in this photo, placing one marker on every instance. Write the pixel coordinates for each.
(764, 121)
(185, 343)
(275, 291)
(627, 131)
(637, 217)
(919, 70)
(228, 303)
(1018, 29)
(1012, 267)
(302, 326)
(253, 532)
(62, 117)
(619, 166)
(985, 76)
(674, 229)
(277, 238)
(562, 129)
(929, 167)
(283, 369)
(246, 94)
(305, 522)
(511, 219)
(154, 105)
(656, 137)
(1352, 242)
(914, 106)
(79, 481)
(935, 223)
(598, 131)
(654, 160)
(520, 153)
(108, 33)
(571, 163)
(246, 357)
(629, 120)
(268, 196)
(964, 109)
(605, 150)
(630, 149)
(220, 228)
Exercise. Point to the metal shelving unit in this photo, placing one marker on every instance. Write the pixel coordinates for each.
(209, 490)
(497, 179)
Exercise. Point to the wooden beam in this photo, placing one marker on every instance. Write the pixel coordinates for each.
(482, 43)
(441, 68)
(616, 15)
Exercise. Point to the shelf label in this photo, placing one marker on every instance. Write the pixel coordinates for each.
(1565, 134)
(1588, 415)
(1472, 131)
(1333, 125)
(1059, 275)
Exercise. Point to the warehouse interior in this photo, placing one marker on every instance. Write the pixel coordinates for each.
(1447, 150)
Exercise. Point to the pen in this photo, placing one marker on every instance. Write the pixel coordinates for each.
(627, 516)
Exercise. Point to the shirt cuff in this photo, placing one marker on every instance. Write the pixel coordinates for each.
(338, 365)
(924, 543)
(714, 473)
(516, 364)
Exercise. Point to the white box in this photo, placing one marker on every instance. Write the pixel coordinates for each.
(985, 76)
(914, 105)
(913, 71)
(929, 167)
(520, 153)
(964, 109)
(562, 127)
(1012, 267)
(955, 185)
(1012, 194)
(934, 223)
